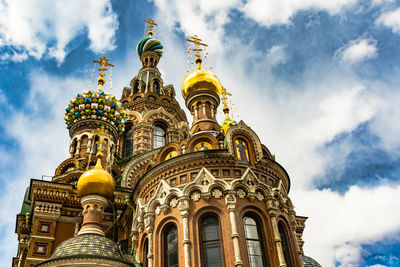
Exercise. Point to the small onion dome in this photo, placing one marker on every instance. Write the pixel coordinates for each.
(96, 181)
(310, 262)
(95, 105)
(227, 124)
(149, 44)
(201, 80)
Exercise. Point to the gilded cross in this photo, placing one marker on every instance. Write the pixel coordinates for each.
(197, 42)
(225, 95)
(102, 133)
(150, 25)
(103, 63)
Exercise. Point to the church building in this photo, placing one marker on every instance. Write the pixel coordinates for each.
(143, 187)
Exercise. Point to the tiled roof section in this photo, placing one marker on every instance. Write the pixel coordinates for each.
(310, 262)
(88, 245)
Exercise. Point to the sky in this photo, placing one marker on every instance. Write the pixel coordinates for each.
(318, 81)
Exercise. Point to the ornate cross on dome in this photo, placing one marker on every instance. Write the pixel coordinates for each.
(102, 133)
(197, 42)
(103, 63)
(150, 24)
(224, 97)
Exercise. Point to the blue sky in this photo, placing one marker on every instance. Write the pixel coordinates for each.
(317, 80)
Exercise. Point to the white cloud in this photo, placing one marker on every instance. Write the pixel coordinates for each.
(295, 121)
(270, 12)
(45, 28)
(390, 19)
(337, 224)
(357, 50)
(39, 132)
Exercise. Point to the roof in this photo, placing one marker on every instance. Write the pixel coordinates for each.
(310, 262)
(88, 245)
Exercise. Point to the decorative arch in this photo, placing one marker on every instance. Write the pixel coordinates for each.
(241, 130)
(162, 115)
(198, 139)
(134, 116)
(65, 165)
(266, 152)
(167, 150)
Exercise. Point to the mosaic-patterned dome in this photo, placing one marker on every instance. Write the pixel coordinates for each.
(95, 105)
(310, 262)
(149, 44)
(90, 245)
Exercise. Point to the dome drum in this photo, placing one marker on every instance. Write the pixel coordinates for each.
(91, 124)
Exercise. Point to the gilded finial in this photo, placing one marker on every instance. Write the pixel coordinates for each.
(224, 98)
(103, 64)
(197, 42)
(150, 24)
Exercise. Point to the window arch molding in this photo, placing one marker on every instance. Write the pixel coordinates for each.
(258, 209)
(287, 241)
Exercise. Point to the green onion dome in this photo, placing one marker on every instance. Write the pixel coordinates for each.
(149, 44)
(95, 105)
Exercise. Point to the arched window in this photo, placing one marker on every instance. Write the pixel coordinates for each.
(155, 87)
(171, 258)
(128, 143)
(158, 136)
(94, 144)
(254, 243)
(211, 242)
(285, 244)
(145, 252)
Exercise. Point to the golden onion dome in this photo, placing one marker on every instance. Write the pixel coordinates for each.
(96, 181)
(201, 80)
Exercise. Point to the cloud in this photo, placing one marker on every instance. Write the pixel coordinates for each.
(295, 120)
(272, 12)
(46, 28)
(338, 225)
(39, 132)
(356, 51)
(390, 19)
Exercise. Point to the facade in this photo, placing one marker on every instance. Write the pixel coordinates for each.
(142, 187)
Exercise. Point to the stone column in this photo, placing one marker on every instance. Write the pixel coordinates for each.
(212, 111)
(149, 224)
(184, 210)
(271, 207)
(292, 217)
(89, 145)
(230, 201)
(78, 148)
(196, 113)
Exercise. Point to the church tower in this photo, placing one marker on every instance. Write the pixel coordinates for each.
(142, 189)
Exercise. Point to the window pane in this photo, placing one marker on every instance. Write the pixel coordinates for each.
(210, 229)
(212, 254)
(128, 143)
(171, 247)
(211, 243)
(158, 137)
(253, 242)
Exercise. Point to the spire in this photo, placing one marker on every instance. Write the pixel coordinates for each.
(228, 122)
(224, 98)
(103, 64)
